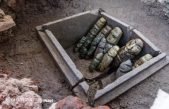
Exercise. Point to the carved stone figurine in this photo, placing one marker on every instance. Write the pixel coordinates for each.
(129, 51)
(101, 46)
(96, 61)
(108, 58)
(104, 32)
(115, 35)
(98, 58)
(91, 34)
(107, 47)
(124, 68)
(112, 39)
(142, 60)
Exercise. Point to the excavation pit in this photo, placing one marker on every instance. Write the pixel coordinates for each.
(61, 35)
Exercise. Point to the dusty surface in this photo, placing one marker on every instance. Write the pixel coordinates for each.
(25, 55)
(83, 65)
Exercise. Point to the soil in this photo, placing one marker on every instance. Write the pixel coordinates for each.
(25, 56)
(83, 65)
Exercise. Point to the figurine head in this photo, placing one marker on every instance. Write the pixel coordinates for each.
(134, 46)
(101, 22)
(113, 51)
(94, 31)
(106, 29)
(147, 57)
(98, 26)
(142, 60)
(114, 36)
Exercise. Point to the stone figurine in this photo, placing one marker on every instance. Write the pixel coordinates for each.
(124, 68)
(91, 34)
(95, 62)
(107, 47)
(142, 60)
(129, 51)
(104, 32)
(101, 46)
(115, 35)
(108, 58)
(112, 39)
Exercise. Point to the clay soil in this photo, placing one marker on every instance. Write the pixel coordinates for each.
(25, 56)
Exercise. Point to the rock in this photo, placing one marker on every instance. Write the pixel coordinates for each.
(18, 94)
(27, 100)
(11, 3)
(124, 68)
(6, 24)
(100, 107)
(24, 84)
(16, 5)
(6, 21)
(2, 13)
(71, 102)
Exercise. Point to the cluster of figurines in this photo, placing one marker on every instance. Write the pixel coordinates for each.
(101, 44)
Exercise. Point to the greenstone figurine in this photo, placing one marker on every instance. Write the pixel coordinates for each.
(92, 33)
(101, 46)
(107, 47)
(115, 35)
(129, 51)
(79, 44)
(104, 32)
(142, 60)
(96, 61)
(108, 58)
(112, 39)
